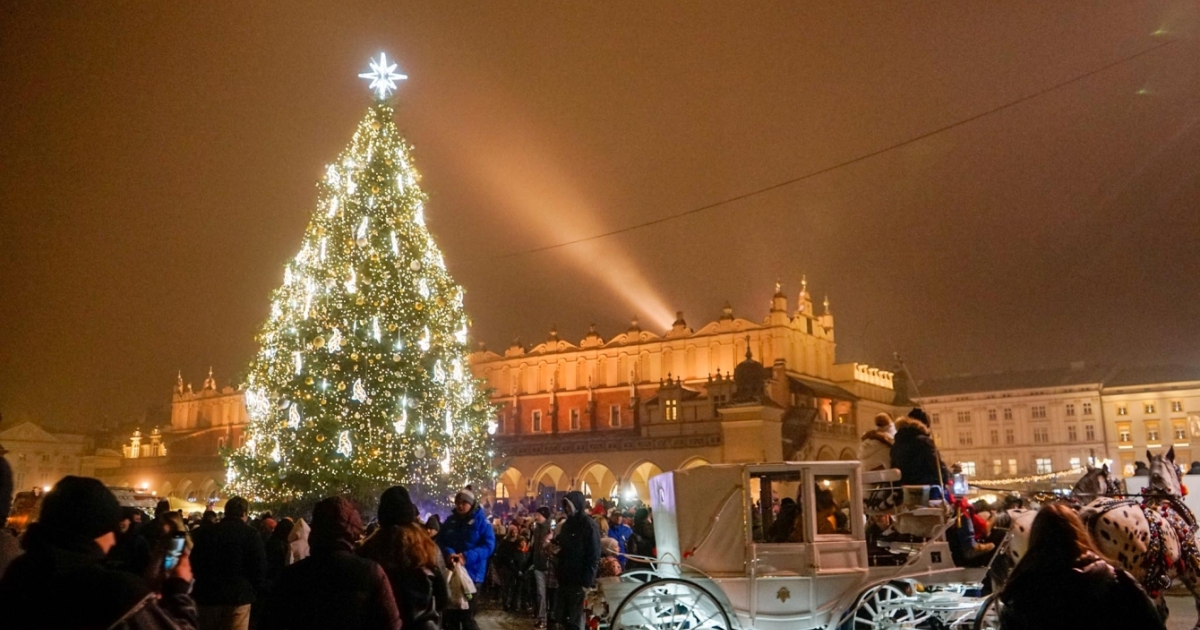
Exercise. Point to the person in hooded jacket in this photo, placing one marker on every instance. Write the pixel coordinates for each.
(578, 545)
(467, 538)
(298, 542)
(1062, 582)
(641, 541)
(61, 581)
(875, 448)
(332, 587)
(411, 560)
(916, 455)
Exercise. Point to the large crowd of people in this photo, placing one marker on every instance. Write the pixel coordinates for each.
(88, 562)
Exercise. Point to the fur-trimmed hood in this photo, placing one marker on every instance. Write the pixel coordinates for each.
(908, 425)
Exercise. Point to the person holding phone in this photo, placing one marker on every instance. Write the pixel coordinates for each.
(62, 582)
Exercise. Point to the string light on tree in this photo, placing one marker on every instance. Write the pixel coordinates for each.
(347, 356)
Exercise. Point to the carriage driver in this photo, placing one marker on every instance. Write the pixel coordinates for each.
(916, 455)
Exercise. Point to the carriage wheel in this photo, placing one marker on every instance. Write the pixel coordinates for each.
(885, 606)
(670, 604)
(988, 617)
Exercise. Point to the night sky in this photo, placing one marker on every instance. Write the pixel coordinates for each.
(158, 165)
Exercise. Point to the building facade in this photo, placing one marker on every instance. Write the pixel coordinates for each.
(1152, 409)
(604, 415)
(39, 458)
(1035, 423)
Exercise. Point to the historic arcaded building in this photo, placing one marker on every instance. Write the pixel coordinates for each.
(184, 459)
(604, 415)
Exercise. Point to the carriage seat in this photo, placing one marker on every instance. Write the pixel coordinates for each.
(886, 475)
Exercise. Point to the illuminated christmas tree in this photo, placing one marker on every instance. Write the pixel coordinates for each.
(361, 379)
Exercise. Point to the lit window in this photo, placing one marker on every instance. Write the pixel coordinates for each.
(997, 466)
(614, 416)
(1044, 465)
(1089, 431)
(1124, 433)
(1007, 414)
(968, 468)
(1177, 405)
(1148, 408)
(964, 417)
(1152, 432)
(995, 437)
(574, 419)
(671, 411)
(537, 420)
(1122, 410)
(992, 415)
(1038, 411)
(1072, 434)
(1009, 437)
(1180, 431)
(1070, 409)
(1075, 462)
(1087, 408)
(1012, 466)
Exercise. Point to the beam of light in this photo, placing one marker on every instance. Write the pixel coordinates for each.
(545, 199)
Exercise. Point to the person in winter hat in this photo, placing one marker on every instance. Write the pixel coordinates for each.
(333, 587)
(62, 582)
(578, 545)
(875, 449)
(915, 453)
(411, 560)
(466, 538)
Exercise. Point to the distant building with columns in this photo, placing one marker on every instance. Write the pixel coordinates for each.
(605, 415)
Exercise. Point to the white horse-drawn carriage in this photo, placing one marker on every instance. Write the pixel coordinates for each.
(734, 551)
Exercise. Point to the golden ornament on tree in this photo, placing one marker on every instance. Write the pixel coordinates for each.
(418, 306)
(319, 342)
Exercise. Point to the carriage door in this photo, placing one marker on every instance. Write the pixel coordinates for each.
(836, 520)
(780, 553)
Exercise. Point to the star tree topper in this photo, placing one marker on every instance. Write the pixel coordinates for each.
(383, 76)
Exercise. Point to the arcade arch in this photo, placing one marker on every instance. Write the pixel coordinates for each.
(694, 462)
(597, 481)
(826, 454)
(638, 478)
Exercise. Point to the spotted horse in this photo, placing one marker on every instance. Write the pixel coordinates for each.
(1095, 482)
(1155, 538)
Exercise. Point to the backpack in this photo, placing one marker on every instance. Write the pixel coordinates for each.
(423, 595)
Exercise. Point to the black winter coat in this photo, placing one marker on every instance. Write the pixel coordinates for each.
(1093, 595)
(332, 589)
(62, 583)
(915, 454)
(578, 542)
(229, 562)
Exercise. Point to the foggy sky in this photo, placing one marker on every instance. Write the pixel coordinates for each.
(159, 166)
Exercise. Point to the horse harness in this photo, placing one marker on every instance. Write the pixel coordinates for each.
(1163, 511)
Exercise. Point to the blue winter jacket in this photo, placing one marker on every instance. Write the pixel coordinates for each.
(472, 536)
